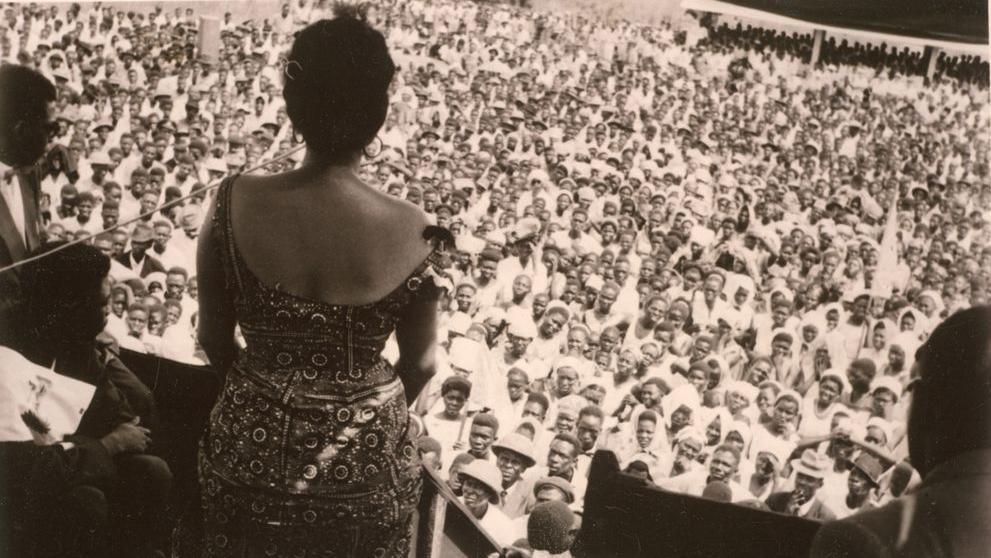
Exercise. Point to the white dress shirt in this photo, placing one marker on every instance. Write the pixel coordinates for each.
(11, 191)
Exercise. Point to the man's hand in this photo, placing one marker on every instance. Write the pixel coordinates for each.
(128, 437)
(795, 501)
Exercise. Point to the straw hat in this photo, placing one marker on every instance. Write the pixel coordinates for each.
(486, 473)
(811, 464)
(518, 444)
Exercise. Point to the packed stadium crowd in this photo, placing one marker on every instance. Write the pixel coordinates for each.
(679, 243)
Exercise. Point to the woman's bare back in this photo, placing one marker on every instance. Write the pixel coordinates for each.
(327, 238)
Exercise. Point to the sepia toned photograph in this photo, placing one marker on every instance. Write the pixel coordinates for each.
(495, 279)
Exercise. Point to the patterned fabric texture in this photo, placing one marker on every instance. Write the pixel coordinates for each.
(309, 451)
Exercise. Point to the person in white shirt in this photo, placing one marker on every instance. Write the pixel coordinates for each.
(167, 255)
(138, 338)
(448, 425)
(83, 219)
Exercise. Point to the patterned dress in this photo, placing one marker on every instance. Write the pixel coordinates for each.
(308, 450)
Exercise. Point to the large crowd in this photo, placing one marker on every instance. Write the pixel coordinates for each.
(679, 243)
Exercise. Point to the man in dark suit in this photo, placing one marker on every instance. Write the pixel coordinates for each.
(803, 501)
(949, 444)
(26, 108)
(137, 258)
(101, 477)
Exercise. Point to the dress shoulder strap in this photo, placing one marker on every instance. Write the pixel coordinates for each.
(222, 223)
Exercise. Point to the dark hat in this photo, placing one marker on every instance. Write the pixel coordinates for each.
(870, 466)
(142, 233)
(558, 483)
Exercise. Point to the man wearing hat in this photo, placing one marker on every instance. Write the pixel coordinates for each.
(137, 258)
(545, 489)
(803, 501)
(481, 484)
(862, 485)
(514, 455)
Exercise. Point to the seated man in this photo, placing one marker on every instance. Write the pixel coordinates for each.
(66, 302)
(805, 500)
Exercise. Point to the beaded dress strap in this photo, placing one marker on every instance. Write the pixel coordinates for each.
(227, 226)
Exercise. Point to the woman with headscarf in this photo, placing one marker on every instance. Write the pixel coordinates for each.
(913, 321)
(810, 337)
(877, 345)
(739, 435)
(900, 357)
(930, 303)
(833, 313)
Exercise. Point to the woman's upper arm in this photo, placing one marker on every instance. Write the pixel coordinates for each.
(217, 319)
(416, 330)
(416, 333)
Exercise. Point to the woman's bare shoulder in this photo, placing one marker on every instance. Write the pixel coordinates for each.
(405, 222)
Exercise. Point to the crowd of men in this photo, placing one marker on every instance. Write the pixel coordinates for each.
(679, 243)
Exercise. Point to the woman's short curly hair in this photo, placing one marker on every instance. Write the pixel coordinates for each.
(336, 82)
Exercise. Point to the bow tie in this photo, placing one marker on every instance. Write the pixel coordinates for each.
(8, 176)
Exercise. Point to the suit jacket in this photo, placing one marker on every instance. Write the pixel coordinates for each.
(149, 264)
(14, 247)
(817, 512)
(949, 515)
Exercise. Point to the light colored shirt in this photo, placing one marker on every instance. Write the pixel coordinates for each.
(11, 191)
